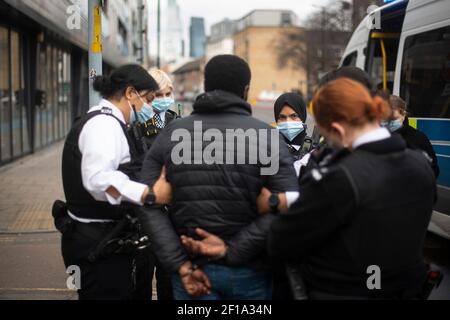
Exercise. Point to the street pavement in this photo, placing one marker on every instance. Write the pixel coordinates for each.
(31, 266)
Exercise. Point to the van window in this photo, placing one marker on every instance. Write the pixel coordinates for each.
(350, 60)
(425, 75)
(375, 61)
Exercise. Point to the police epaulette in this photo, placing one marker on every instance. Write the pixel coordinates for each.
(106, 110)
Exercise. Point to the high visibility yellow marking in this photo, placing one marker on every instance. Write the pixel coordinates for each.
(413, 123)
(383, 52)
(385, 35)
(97, 42)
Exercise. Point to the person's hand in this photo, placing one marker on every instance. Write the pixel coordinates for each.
(210, 246)
(262, 201)
(162, 189)
(196, 283)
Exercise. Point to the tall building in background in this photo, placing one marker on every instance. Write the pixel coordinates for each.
(197, 37)
(173, 44)
(220, 40)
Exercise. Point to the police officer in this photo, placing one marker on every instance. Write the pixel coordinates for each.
(398, 123)
(161, 101)
(290, 115)
(358, 228)
(153, 117)
(98, 172)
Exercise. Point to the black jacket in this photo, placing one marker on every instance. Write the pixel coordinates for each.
(368, 207)
(220, 198)
(417, 140)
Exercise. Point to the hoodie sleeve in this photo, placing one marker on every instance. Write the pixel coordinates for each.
(156, 223)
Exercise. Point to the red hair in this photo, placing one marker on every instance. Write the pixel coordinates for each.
(345, 100)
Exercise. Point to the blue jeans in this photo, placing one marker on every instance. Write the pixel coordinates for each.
(230, 284)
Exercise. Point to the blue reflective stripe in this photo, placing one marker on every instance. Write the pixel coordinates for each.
(438, 131)
(435, 129)
(444, 166)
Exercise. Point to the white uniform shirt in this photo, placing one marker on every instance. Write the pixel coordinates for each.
(104, 147)
(371, 136)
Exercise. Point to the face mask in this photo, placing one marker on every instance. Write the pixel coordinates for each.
(291, 129)
(162, 105)
(146, 112)
(392, 126)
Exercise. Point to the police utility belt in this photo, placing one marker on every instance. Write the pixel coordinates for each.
(121, 237)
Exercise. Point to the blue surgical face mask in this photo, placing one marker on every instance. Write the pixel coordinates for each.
(163, 104)
(393, 125)
(145, 114)
(291, 129)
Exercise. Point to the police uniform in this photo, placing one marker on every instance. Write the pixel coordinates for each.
(152, 129)
(146, 261)
(368, 207)
(99, 153)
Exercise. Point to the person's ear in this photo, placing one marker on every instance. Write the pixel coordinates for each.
(246, 91)
(129, 93)
(338, 131)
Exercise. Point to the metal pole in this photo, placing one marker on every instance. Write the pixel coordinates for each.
(95, 48)
(158, 55)
(141, 8)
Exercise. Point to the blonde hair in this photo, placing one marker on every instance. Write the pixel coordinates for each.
(161, 78)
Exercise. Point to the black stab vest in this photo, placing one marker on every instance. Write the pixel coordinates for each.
(79, 201)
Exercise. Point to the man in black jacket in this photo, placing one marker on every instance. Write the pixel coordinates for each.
(218, 160)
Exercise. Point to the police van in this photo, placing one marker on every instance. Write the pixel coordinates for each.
(405, 47)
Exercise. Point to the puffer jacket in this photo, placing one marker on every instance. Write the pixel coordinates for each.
(220, 198)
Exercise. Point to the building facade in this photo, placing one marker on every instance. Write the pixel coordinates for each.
(221, 39)
(188, 80)
(44, 66)
(197, 37)
(255, 41)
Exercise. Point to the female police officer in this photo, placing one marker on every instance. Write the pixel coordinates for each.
(290, 115)
(153, 118)
(358, 227)
(97, 184)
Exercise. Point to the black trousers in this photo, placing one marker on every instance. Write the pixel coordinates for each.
(146, 263)
(109, 278)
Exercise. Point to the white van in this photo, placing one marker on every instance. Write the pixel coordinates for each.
(405, 47)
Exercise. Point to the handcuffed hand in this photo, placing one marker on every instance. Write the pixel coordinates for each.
(195, 282)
